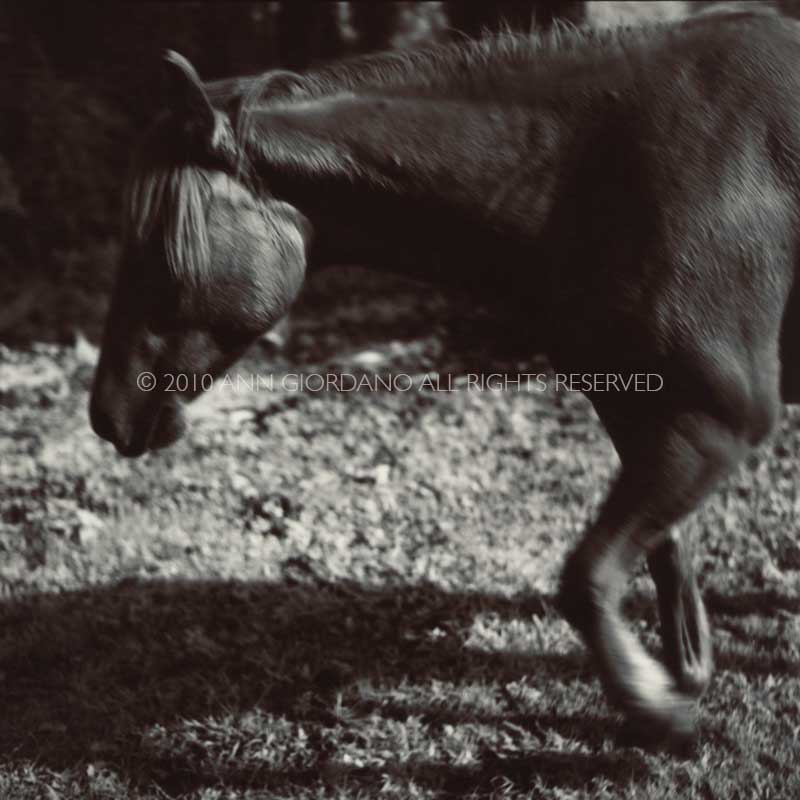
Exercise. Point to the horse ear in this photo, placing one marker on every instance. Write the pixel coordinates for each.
(186, 96)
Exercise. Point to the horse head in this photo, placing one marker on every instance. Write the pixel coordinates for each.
(209, 263)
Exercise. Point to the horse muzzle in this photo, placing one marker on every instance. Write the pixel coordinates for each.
(134, 428)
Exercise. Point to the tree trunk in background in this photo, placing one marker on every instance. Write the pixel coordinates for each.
(374, 24)
(307, 32)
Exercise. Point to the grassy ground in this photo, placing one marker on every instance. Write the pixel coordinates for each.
(349, 595)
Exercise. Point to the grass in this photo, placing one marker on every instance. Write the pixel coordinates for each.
(349, 595)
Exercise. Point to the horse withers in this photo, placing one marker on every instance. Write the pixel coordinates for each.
(632, 200)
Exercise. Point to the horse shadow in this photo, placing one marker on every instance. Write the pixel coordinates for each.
(84, 673)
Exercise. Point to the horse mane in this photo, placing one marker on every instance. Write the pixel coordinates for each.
(470, 68)
(478, 65)
(168, 196)
(459, 65)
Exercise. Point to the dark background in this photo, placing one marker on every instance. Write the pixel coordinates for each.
(79, 82)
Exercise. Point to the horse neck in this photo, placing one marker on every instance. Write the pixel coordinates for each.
(407, 181)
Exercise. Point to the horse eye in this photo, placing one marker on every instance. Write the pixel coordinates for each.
(232, 336)
(163, 308)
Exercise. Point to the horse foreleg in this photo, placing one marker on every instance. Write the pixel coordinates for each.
(684, 623)
(662, 479)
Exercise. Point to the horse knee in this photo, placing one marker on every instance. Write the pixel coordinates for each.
(753, 410)
(586, 589)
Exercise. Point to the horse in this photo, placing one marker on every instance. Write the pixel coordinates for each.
(630, 198)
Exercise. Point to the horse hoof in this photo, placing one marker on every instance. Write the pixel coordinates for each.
(678, 737)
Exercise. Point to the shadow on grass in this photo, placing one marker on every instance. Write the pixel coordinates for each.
(568, 771)
(765, 603)
(85, 673)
